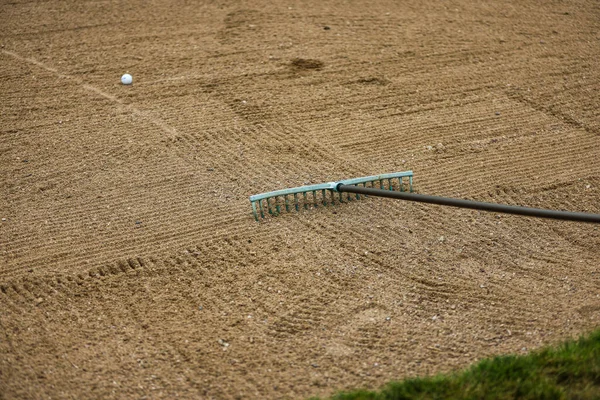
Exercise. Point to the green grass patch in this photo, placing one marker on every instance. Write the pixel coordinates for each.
(568, 371)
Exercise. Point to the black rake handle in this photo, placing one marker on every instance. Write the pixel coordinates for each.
(476, 205)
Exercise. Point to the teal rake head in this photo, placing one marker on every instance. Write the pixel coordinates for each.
(325, 193)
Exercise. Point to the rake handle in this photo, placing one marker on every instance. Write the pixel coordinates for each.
(476, 205)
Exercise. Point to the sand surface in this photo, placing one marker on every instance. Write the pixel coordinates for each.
(131, 266)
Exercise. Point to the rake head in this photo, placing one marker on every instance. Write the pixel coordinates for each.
(325, 193)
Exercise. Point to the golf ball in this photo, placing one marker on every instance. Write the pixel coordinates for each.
(126, 79)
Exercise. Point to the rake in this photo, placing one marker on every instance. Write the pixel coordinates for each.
(397, 185)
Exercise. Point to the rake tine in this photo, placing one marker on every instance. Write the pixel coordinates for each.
(254, 210)
(390, 184)
(381, 184)
(296, 200)
(332, 195)
(324, 197)
(357, 195)
(262, 214)
(287, 205)
(401, 185)
(314, 198)
(410, 183)
(269, 206)
(277, 206)
(305, 201)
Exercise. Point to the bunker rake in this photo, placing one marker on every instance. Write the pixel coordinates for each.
(397, 185)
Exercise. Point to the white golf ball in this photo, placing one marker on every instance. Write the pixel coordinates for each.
(126, 79)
